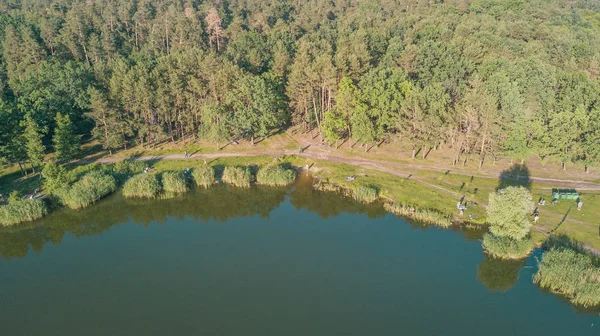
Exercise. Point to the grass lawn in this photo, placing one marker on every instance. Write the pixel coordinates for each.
(561, 218)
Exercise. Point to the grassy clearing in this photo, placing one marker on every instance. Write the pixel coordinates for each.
(238, 176)
(275, 175)
(142, 185)
(90, 188)
(427, 216)
(174, 182)
(21, 210)
(204, 176)
(506, 248)
(570, 273)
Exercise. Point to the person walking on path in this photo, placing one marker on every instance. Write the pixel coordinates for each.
(579, 205)
(536, 218)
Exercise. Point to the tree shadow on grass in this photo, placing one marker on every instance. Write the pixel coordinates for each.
(516, 176)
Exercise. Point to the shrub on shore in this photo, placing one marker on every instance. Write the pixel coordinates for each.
(570, 273)
(174, 182)
(142, 185)
(90, 188)
(238, 176)
(427, 216)
(204, 176)
(365, 194)
(275, 175)
(19, 210)
(503, 247)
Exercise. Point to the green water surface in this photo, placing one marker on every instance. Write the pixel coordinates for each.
(264, 261)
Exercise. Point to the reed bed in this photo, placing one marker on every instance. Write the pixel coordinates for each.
(142, 185)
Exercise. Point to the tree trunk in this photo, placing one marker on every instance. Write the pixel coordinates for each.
(317, 116)
(424, 153)
(564, 166)
(414, 152)
(252, 140)
(21, 168)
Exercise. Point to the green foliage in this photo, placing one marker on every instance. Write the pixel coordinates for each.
(173, 182)
(504, 247)
(275, 175)
(570, 273)
(33, 142)
(204, 176)
(55, 177)
(426, 216)
(142, 185)
(21, 210)
(508, 212)
(66, 142)
(238, 176)
(90, 188)
(366, 194)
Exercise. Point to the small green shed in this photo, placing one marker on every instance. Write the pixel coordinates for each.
(570, 194)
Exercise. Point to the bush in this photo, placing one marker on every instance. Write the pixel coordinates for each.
(204, 176)
(427, 216)
(21, 210)
(90, 188)
(174, 182)
(275, 175)
(506, 247)
(238, 176)
(366, 194)
(142, 185)
(570, 273)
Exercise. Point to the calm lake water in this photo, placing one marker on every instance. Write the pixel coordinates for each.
(264, 261)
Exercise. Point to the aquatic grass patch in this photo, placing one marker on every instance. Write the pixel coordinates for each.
(90, 188)
(238, 176)
(204, 176)
(275, 175)
(366, 194)
(20, 210)
(427, 216)
(174, 182)
(142, 185)
(503, 247)
(571, 273)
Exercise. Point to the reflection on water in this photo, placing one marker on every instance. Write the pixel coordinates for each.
(499, 275)
(219, 203)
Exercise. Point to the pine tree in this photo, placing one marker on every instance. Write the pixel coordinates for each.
(33, 142)
(66, 142)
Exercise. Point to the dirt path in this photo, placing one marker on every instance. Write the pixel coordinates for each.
(398, 169)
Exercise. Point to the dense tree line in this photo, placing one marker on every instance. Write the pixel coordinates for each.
(484, 78)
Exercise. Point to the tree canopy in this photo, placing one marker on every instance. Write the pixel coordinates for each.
(485, 78)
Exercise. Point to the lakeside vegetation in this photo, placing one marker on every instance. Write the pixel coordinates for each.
(571, 273)
(19, 210)
(142, 185)
(238, 176)
(173, 182)
(86, 191)
(203, 176)
(427, 216)
(275, 175)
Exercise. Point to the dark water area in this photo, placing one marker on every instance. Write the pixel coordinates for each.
(264, 261)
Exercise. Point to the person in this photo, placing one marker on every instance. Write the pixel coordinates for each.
(458, 205)
(536, 218)
(579, 205)
(543, 201)
(554, 201)
(186, 154)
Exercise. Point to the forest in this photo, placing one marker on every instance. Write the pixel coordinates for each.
(484, 79)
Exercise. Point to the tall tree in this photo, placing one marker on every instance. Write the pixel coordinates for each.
(35, 148)
(66, 142)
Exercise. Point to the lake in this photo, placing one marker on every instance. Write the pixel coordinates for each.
(264, 261)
